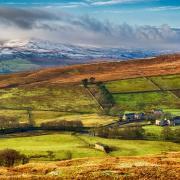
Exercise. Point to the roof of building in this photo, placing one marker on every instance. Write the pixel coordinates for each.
(177, 118)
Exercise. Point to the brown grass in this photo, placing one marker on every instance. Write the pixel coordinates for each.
(165, 166)
(102, 71)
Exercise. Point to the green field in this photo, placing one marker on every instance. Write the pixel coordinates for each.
(168, 82)
(64, 144)
(148, 100)
(131, 95)
(57, 98)
(131, 85)
(156, 130)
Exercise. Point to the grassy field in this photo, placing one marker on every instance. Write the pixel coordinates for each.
(175, 112)
(141, 101)
(57, 98)
(124, 93)
(88, 120)
(156, 130)
(78, 146)
(131, 85)
(21, 115)
(166, 82)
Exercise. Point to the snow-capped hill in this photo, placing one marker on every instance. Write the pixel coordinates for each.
(41, 53)
(14, 43)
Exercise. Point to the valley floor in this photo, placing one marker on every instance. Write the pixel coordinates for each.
(69, 146)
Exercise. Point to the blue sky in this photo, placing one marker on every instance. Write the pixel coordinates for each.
(134, 12)
(114, 23)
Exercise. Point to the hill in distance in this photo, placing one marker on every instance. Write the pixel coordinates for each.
(104, 71)
(23, 55)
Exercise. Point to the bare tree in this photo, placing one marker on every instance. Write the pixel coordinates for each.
(9, 157)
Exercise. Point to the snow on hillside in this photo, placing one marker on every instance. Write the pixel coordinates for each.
(45, 53)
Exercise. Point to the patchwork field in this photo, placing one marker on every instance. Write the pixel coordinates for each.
(147, 93)
(66, 146)
(73, 102)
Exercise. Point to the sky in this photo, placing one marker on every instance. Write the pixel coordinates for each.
(113, 23)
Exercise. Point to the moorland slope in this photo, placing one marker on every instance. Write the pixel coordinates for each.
(150, 167)
(104, 71)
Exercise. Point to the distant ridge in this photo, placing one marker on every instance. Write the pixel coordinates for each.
(23, 55)
(104, 71)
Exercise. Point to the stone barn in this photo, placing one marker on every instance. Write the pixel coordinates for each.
(102, 147)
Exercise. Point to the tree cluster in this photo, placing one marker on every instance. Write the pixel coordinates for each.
(120, 133)
(8, 122)
(106, 98)
(86, 81)
(10, 157)
(168, 134)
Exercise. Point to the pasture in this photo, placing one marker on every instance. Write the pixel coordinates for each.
(88, 120)
(131, 85)
(153, 83)
(66, 146)
(56, 98)
(167, 82)
(147, 100)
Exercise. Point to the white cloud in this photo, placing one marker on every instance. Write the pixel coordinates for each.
(66, 28)
(111, 2)
(164, 8)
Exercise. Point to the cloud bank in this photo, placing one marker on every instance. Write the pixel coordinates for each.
(24, 23)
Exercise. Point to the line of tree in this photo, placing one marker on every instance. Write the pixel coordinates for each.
(168, 134)
(120, 133)
(106, 98)
(62, 125)
(8, 122)
(136, 132)
(86, 82)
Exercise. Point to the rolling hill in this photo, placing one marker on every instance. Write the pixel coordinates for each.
(21, 55)
(104, 71)
(58, 94)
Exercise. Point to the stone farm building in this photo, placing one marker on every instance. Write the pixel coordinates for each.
(102, 147)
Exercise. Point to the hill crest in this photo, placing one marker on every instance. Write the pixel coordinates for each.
(104, 71)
